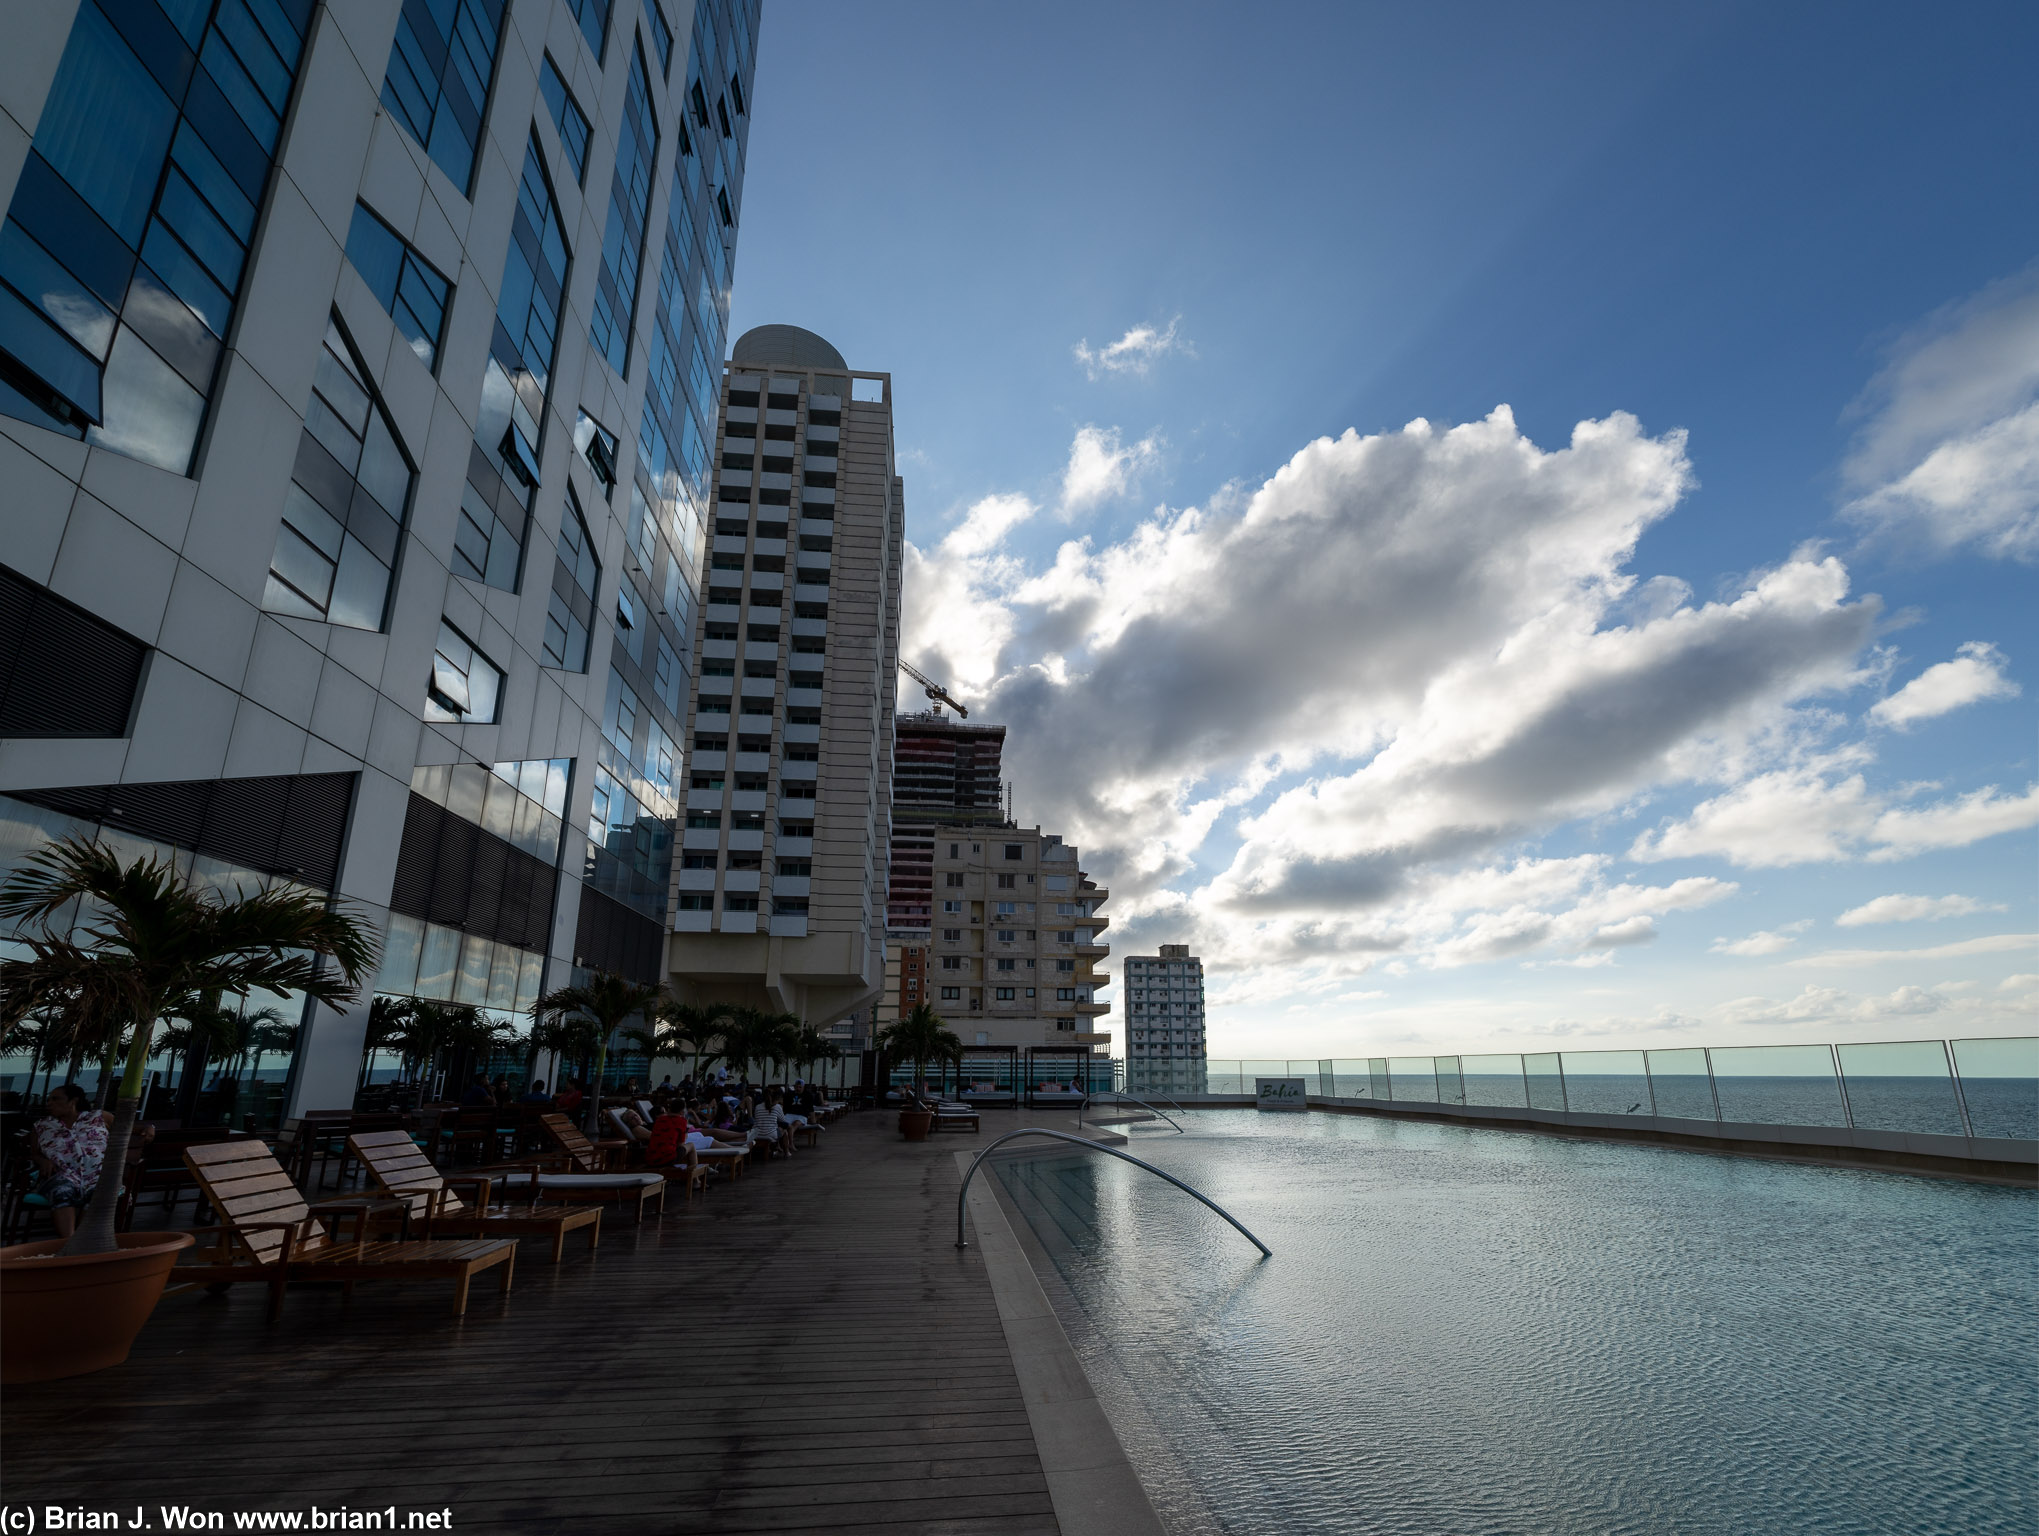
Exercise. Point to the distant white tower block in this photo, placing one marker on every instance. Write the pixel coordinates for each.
(1165, 1050)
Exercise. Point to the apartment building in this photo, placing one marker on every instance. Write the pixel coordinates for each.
(359, 367)
(779, 891)
(1165, 1049)
(1015, 952)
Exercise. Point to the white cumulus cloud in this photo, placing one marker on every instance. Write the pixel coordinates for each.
(1135, 352)
(1949, 455)
(1975, 674)
(1899, 908)
(1401, 654)
(1815, 812)
(1103, 468)
(1767, 942)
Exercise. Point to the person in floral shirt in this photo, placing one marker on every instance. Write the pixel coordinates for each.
(70, 1144)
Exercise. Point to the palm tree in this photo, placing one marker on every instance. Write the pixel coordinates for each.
(605, 1003)
(815, 1046)
(153, 938)
(920, 1037)
(780, 1039)
(422, 1029)
(693, 1027)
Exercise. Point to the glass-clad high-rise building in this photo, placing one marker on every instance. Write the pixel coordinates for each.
(358, 367)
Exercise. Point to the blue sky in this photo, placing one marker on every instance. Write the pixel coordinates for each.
(1803, 237)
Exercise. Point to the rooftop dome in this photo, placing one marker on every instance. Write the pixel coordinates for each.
(784, 346)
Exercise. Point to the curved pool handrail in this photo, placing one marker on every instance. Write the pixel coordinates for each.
(1095, 1146)
(1115, 1093)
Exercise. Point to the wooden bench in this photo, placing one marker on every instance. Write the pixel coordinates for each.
(269, 1234)
(400, 1169)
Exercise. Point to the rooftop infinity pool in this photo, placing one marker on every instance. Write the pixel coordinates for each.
(1470, 1331)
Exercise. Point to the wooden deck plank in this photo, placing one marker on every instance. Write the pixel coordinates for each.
(801, 1351)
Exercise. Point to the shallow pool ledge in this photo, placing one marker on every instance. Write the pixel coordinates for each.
(1091, 1482)
(1984, 1161)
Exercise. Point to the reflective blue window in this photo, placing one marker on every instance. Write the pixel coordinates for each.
(593, 16)
(629, 202)
(437, 80)
(349, 492)
(409, 286)
(496, 504)
(567, 117)
(128, 234)
(661, 36)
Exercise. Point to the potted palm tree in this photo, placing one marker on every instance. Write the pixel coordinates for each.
(150, 941)
(600, 1009)
(919, 1037)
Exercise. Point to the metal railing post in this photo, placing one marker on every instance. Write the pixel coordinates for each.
(1960, 1092)
(1841, 1086)
(1095, 1146)
(1712, 1087)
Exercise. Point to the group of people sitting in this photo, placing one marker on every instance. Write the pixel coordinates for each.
(482, 1094)
(722, 1114)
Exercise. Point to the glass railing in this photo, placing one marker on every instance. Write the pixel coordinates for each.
(1976, 1088)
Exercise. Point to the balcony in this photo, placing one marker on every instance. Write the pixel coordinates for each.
(1090, 1008)
(1089, 1037)
(1093, 951)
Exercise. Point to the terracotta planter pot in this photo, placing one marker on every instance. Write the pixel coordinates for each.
(67, 1316)
(914, 1124)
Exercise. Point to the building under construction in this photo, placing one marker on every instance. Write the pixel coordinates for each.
(992, 923)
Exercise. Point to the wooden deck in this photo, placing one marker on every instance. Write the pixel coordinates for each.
(805, 1351)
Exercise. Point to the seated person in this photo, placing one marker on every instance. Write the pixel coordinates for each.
(633, 1125)
(479, 1095)
(769, 1124)
(708, 1126)
(569, 1098)
(68, 1146)
(536, 1094)
(798, 1110)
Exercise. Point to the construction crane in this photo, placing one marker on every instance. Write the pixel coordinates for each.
(935, 690)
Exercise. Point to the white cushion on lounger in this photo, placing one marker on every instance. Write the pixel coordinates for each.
(578, 1180)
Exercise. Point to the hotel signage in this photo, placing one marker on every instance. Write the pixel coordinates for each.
(1279, 1093)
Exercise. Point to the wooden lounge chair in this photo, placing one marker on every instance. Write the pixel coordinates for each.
(400, 1168)
(574, 1173)
(269, 1234)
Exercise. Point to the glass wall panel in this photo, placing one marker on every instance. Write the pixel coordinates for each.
(1544, 1077)
(1377, 1077)
(1412, 1079)
(1249, 1070)
(1777, 1084)
(1680, 1084)
(1606, 1083)
(1906, 1086)
(1308, 1072)
(1349, 1080)
(1450, 1086)
(1225, 1077)
(2000, 1085)
(1494, 1081)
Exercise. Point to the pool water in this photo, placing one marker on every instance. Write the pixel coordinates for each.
(1479, 1331)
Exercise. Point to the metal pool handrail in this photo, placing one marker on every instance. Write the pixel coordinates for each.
(1115, 1093)
(1095, 1146)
